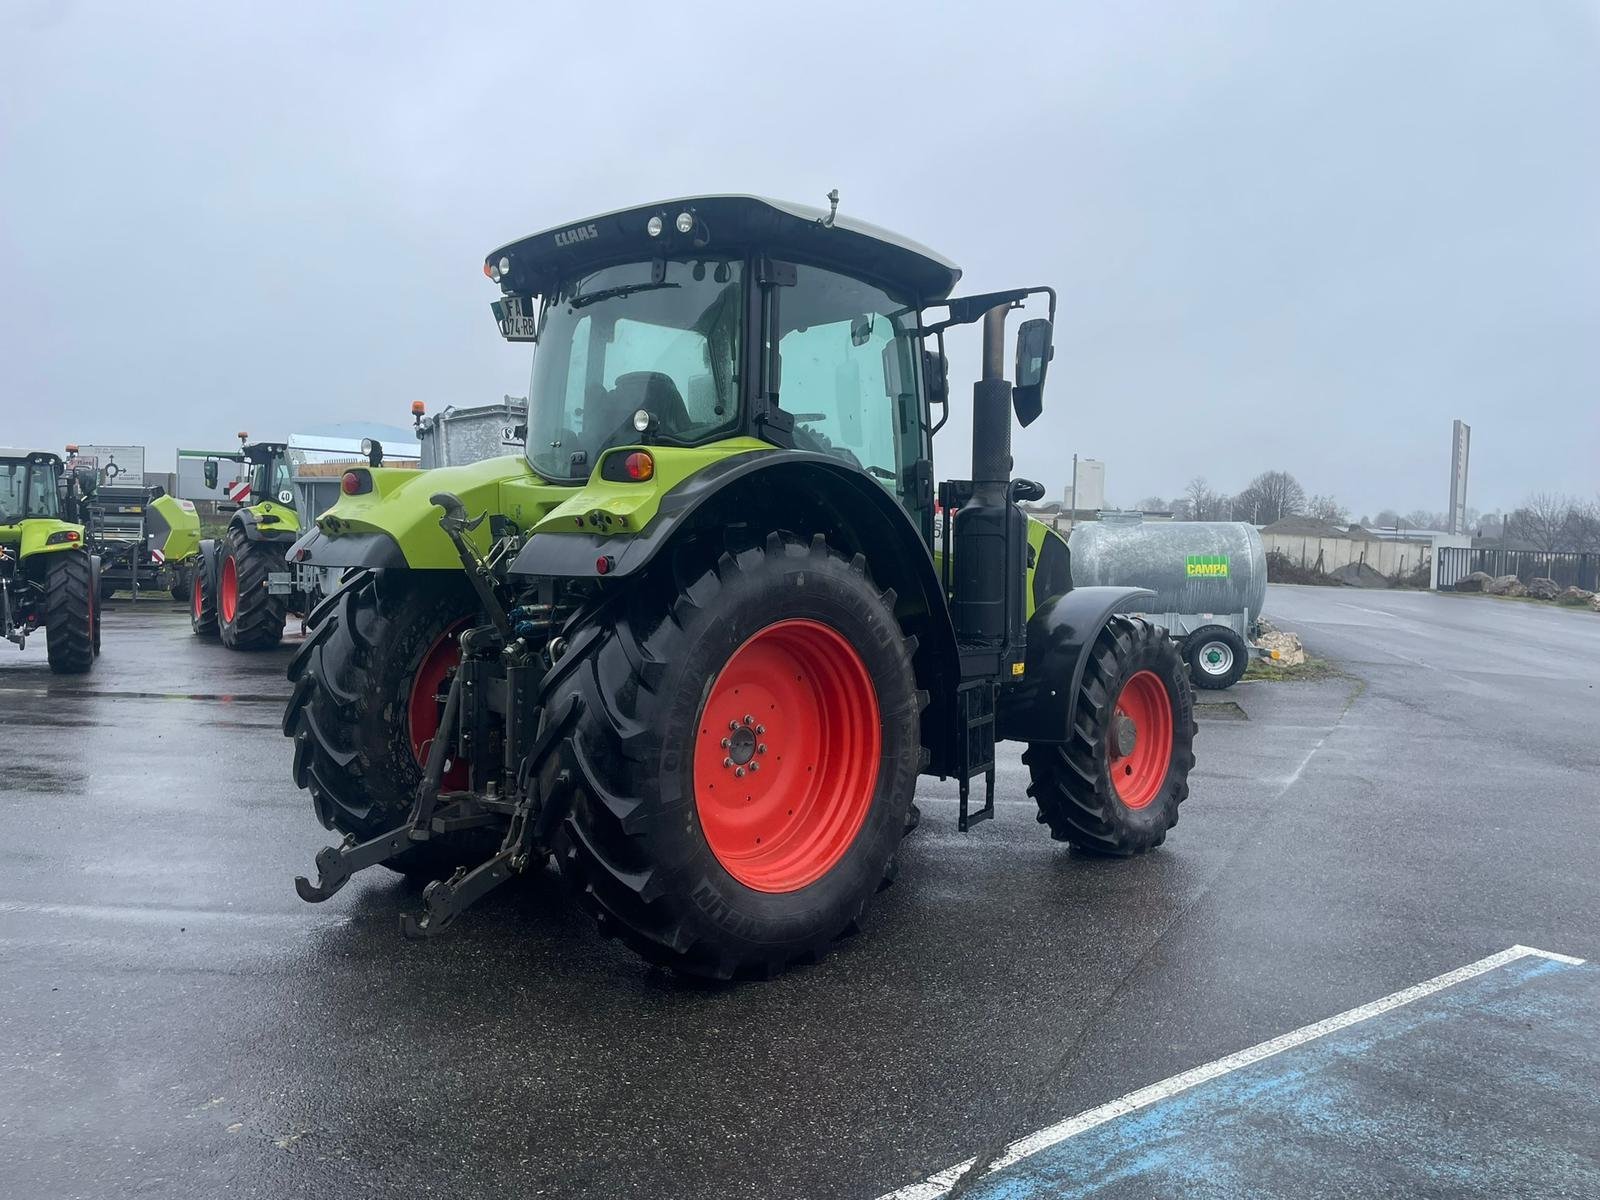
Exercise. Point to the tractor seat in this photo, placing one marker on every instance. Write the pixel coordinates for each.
(653, 391)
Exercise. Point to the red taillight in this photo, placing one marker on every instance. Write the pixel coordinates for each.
(639, 465)
(350, 484)
(602, 565)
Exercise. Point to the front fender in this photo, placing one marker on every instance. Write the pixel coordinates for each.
(1060, 635)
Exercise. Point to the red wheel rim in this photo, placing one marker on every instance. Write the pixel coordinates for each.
(786, 756)
(425, 708)
(195, 596)
(1144, 717)
(230, 589)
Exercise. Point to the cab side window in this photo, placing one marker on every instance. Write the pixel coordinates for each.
(847, 372)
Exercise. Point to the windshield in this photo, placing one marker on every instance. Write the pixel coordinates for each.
(621, 339)
(270, 481)
(27, 490)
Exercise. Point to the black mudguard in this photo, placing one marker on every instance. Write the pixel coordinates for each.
(206, 563)
(1060, 635)
(347, 550)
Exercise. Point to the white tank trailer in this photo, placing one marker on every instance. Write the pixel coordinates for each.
(1209, 577)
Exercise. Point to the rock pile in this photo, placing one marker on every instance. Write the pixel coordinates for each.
(1506, 585)
(1544, 589)
(1290, 652)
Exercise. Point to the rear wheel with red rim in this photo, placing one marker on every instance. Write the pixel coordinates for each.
(754, 835)
(1115, 786)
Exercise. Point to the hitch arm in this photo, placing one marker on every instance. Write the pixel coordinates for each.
(335, 864)
(456, 526)
(446, 899)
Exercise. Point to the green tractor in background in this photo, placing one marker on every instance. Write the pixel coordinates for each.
(48, 578)
(239, 590)
(697, 644)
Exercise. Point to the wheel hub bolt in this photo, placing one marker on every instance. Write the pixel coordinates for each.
(727, 762)
(761, 728)
(755, 766)
(762, 748)
(749, 720)
(724, 743)
(738, 772)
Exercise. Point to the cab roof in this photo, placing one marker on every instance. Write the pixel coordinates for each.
(722, 225)
(11, 454)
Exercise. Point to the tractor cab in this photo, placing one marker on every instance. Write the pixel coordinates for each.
(31, 488)
(267, 477)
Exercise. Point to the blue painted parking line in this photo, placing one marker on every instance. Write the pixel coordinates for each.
(1484, 1081)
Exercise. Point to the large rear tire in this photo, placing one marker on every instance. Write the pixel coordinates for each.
(365, 704)
(71, 613)
(1115, 786)
(249, 617)
(748, 750)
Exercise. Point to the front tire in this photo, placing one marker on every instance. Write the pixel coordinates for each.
(1114, 787)
(729, 819)
(1217, 657)
(364, 708)
(71, 613)
(249, 617)
(182, 582)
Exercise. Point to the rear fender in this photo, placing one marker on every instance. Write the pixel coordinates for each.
(1060, 635)
(36, 534)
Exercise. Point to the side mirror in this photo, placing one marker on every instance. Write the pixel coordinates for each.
(1034, 351)
(88, 481)
(210, 472)
(936, 377)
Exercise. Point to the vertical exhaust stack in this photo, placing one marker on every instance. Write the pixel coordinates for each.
(990, 531)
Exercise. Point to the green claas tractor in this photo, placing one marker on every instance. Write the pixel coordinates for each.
(696, 645)
(240, 590)
(48, 578)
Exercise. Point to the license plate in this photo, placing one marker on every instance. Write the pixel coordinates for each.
(518, 318)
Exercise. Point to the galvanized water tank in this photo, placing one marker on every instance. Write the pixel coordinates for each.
(458, 436)
(1192, 566)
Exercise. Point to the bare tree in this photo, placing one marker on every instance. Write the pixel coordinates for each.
(1152, 504)
(1203, 503)
(1545, 521)
(1421, 518)
(1584, 526)
(1271, 496)
(1326, 508)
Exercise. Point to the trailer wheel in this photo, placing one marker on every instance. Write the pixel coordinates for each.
(1114, 787)
(248, 616)
(202, 595)
(182, 582)
(365, 704)
(748, 748)
(1217, 657)
(71, 613)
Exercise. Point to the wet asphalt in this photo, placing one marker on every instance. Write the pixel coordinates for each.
(174, 1021)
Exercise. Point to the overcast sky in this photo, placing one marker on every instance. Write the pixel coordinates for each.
(1286, 236)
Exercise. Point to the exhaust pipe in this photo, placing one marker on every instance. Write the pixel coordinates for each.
(991, 416)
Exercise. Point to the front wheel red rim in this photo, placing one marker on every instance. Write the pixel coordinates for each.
(1140, 740)
(786, 756)
(230, 588)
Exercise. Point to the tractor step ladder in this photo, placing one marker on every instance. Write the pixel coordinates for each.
(975, 702)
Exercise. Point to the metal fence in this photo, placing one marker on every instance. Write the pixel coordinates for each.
(1567, 568)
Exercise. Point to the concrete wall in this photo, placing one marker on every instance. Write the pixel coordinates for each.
(1329, 554)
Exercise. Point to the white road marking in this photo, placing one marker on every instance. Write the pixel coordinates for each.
(941, 1182)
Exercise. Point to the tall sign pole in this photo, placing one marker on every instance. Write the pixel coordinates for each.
(1460, 439)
